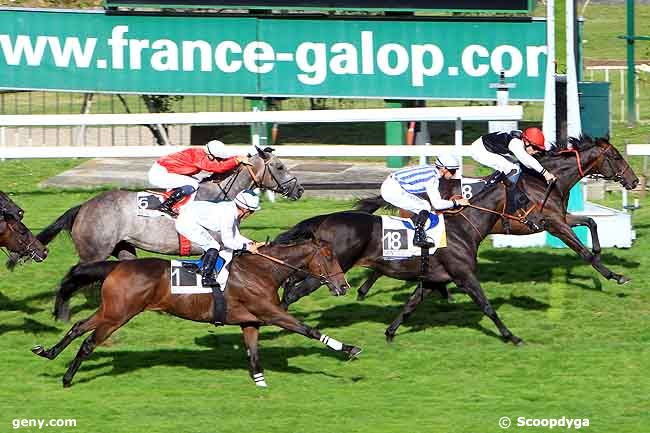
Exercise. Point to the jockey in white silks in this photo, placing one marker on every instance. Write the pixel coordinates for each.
(222, 218)
(494, 149)
(401, 188)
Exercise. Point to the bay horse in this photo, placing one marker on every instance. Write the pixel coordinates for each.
(559, 222)
(14, 235)
(108, 225)
(356, 236)
(132, 286)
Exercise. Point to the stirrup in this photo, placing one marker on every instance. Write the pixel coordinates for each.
(168, 211)
(209, 281)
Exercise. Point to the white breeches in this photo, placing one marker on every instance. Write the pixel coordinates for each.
(393, 193)
(492, 160)
(160, 177)
(193, 223)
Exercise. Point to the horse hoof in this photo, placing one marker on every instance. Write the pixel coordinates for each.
(622, 279)
(517, 341)
(66, 384)
(261, 384)
(389, 337)
(360, 297)
(39, 350)
(354, 352)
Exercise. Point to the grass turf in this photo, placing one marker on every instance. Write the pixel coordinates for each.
(586, 352)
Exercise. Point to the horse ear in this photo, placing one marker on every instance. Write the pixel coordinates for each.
(269, 149)
(262, 153)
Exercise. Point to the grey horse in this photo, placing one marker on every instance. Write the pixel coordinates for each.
(108, 224)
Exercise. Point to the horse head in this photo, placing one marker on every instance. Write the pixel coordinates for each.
(585, 156)
(611, 165)
(325, 265)
(20, 240)
(8, 207)
(269, 172)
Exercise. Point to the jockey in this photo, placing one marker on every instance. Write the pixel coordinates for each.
(222, 218)
(176, 171)
(492, 149)
(401, 187)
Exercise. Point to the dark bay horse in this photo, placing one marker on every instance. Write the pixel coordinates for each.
(132, 286)
(14, 235)
(607, 163)
(357, 237)
(108, 225)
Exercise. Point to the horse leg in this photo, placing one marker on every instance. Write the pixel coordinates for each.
(274, 315)
(473, 288)
(106, 325)
(585, 221)
(251, 335)
(564, 232)
(417, 296)
(77, 330)
(363, 290)
(299, 290)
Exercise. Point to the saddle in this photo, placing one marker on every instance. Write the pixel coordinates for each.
(219, 304)
(149, 201)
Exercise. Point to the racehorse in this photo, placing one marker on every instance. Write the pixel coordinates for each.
(132, 286)
(108, 225)
(558, 221)
(357, 237)
(14, 235)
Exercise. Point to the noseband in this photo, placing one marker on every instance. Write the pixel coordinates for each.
(281, 187)
(26, 246)
(617, 177)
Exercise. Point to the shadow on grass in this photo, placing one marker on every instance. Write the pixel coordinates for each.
(8, 304)
(227, 352)
(29, 326)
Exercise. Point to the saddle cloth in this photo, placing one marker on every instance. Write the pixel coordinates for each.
(397, 236)
(147, 203)
(184, 278)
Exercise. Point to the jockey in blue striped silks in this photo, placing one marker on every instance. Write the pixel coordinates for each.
(402, 187)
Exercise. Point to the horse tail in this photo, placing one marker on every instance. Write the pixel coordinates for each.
(79, 276)
(371, 204)
(301, 231)
(64, 222)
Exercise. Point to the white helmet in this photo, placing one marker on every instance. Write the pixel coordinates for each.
(448, 161)
(216, 149)
(247, 199)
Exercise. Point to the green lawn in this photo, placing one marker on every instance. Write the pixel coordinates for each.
(586, 352)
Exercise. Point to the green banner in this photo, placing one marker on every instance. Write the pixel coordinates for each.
(444, 59)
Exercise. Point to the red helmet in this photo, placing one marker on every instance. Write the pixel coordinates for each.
(535, 136)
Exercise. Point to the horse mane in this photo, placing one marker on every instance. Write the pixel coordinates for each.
(304, 230)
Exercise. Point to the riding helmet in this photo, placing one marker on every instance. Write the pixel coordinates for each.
(535, 136)
(216, 149)
(247, 199)
(448, 161)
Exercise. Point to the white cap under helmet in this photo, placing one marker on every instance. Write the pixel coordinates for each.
(448, 161)
(247, 199)
(216, 148)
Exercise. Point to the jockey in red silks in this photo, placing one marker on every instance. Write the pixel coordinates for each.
(176, 171)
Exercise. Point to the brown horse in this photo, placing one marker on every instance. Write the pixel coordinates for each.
(130, 287)
(14, 235)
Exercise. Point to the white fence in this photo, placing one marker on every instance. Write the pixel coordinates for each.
(455, 114)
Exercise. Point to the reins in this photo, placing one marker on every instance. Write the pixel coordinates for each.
(322, 278)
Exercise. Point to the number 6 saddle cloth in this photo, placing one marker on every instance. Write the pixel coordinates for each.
(397, 236)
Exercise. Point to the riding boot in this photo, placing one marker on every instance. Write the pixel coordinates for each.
(208, 277)
(516, 200)
(420, 237)
(494, 179)
(177, 195)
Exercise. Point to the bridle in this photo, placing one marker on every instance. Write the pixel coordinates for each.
(285, 188)
(282, 188)
(324, 278)
(618, 175)
(25, 246)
